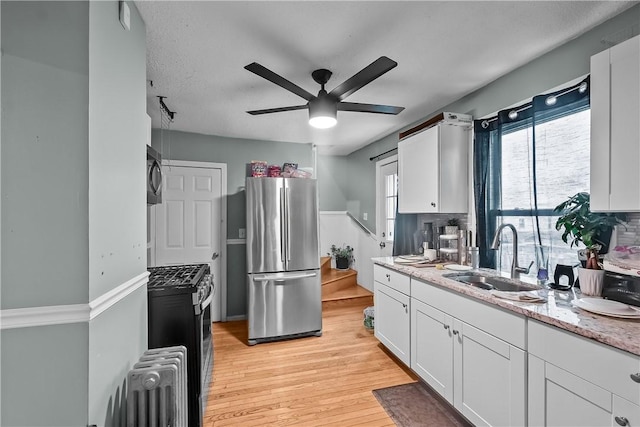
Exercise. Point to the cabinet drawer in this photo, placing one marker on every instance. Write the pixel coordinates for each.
(393, 279)
(507, 326)
(600, 364)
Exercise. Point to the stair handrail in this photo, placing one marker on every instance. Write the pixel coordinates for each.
(361, 225)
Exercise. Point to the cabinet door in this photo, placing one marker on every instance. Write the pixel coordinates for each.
(489, 385)
(418, 172)
(615, 128)
(625, 126)
(559, 398)
(392, 321)
(625, 413)
(432, 347)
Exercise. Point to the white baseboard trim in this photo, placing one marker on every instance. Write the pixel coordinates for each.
(236, 241)
(73, 313)
(333, 212)
(107, 300)
(43, 316)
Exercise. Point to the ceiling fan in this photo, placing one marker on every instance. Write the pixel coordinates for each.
(323, 107)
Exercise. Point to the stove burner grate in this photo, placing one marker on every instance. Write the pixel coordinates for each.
(176, 276)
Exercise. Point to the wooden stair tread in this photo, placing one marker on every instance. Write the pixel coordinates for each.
(348, 293)
(333, 275)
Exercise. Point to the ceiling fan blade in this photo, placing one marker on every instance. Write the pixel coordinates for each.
(369, 108)
(363, 77)
(277, 110)
(266, 73)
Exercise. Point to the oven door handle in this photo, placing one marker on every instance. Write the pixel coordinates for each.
(206, 303)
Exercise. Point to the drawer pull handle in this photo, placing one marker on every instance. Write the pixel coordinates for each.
(636, 377)
(622, 421)
(455, 332)
(433, 204)
(446, 326)
(388, 277)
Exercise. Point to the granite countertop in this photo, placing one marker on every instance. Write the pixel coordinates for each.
(557, 310)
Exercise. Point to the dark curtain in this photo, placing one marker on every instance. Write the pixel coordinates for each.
(484, 191)
(404, 228)
(488, 162)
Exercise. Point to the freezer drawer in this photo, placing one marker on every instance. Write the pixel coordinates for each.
(282, 305)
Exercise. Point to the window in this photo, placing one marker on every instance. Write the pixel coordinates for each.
(390, 203)
(562, 169)
(527, 160)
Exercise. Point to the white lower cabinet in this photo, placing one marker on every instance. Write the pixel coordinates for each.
(576, 382)
(432, 347)
(392, 321)
(560, 398)
(482, 376)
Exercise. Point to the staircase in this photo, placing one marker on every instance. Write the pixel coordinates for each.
(340, 287)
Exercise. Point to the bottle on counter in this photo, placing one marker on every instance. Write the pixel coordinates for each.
(462, 247)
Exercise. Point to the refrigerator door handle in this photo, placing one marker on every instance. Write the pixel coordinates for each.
(282, 225)
(287, 210)
(281, 278)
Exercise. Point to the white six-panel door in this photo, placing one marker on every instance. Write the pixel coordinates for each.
(189, 222)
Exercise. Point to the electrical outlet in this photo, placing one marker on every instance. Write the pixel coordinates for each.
(364, 216)
(242, 233)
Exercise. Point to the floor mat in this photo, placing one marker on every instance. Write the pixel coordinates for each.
(413, 405)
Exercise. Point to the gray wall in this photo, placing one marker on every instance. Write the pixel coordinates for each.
(44, 153)
(236, 153)
(555, 68)
(73, 213)
(44, 210)
(332, 178)
(117, 203)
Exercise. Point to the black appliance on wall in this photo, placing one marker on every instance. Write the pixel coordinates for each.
(179, 313)
(154, 176)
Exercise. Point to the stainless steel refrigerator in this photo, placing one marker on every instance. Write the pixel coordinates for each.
(283, 259)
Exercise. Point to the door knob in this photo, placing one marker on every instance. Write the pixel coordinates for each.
(382, 245)
(636, 377)
(622, 421)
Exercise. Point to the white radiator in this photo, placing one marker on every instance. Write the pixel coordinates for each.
(157, 389)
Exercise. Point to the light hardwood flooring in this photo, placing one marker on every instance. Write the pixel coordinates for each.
(315, 381)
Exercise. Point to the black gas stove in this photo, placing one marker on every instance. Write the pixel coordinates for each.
(176, 278)
(179, 305)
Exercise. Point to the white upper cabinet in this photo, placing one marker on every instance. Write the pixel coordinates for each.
(433, 170)
(615, 128)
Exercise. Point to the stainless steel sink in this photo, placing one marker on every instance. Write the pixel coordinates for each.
(492, 282)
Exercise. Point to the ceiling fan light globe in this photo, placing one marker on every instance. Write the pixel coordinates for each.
(323, 122)
(323, 112)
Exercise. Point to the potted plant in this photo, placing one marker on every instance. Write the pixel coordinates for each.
(343, 256)
(593, 229)
(452, 226)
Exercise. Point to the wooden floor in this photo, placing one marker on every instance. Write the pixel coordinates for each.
(315, 381)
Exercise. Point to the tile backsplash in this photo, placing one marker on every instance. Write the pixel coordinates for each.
(630, 235)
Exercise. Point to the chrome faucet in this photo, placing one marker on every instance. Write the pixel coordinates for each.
(515, 269)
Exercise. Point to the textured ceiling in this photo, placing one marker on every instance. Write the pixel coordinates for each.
(196, 52)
